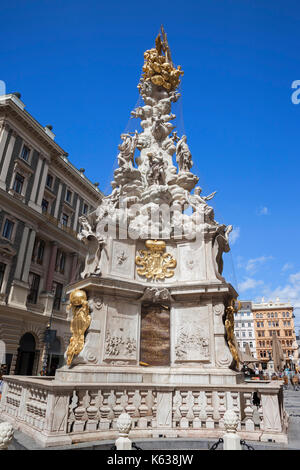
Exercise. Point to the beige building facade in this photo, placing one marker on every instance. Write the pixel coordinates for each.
(273, 318)
(42, 197)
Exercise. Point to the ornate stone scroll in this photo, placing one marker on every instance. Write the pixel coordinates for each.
(79, 324)
(155, 263)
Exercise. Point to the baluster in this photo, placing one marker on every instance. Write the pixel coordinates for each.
(210, 424)
(111, 401)
(196, 411)
(149, 400)
(184, 422)
(177, 402)
(92, 411)
(215, 404)
(104, 410)
(143, 410)
(71, 415)
(248, 410)
(202, 403)
(222, 408)
(136, 401)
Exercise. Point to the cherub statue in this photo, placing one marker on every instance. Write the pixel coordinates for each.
(183, 155)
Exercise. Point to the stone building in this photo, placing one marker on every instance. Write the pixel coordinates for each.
(273, 317)
(42, 196)
(244, 327)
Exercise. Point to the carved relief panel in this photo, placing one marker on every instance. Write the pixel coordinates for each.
(192, 261)
(122, 258)
(191, 333)
(121, 333)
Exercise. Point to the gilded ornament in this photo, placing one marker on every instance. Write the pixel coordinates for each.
(229, 325)
(155, 263)
(79, 324)
(158, 66)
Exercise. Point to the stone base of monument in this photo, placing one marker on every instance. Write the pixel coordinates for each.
(58, 413)
(148, 375)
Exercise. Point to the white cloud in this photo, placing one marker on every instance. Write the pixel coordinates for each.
(254, 263)
(288, 292)
(249, 283)
(287, 266)
(263, 211)
(234, 235)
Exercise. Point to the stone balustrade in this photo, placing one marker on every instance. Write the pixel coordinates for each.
(62, 413)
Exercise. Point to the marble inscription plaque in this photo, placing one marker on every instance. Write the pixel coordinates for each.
(155, 335)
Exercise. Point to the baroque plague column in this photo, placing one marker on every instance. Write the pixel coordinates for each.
(152, 317)
(153, 274)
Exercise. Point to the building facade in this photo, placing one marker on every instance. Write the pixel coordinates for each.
(244, 327)
(42, 196)
(278, 318)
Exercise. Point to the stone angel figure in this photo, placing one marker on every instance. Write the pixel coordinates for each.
(221, 245)
(196, 201)
(94, 246)
(127, 149)
(183, 155)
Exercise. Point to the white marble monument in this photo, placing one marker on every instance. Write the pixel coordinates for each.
(152, 318)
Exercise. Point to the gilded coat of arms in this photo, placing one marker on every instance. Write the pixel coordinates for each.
(155, 263)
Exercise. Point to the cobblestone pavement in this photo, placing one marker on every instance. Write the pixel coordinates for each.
(292, 406)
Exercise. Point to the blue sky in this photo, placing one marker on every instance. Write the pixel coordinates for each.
(77, 65)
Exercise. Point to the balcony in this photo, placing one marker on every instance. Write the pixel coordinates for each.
(58, 224)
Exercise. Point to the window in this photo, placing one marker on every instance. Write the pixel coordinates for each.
(283, 314)
(243, 334)
(58, 289)
(25, 153)
(250, 334)
(40, 252)
(18, 184)
(45, 205)
(8, 229)
(65, 219)
(85, 209)
(49, 181)
(251, 344)
(34, 283)
(287, 314)
(2, 271)
(60, 262)
(68, 196)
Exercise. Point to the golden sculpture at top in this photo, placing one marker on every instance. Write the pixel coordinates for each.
(155, 263)
(229, 325)
(79, 324)
(159, 68)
